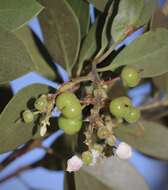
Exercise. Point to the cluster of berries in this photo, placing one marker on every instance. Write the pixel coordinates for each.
(41, 105)
(71, 113)
(71, 120)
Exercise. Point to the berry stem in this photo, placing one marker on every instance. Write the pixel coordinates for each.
(74, 82)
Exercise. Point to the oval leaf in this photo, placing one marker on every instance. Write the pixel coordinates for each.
(26, 35)
(99, 4)
(61, 32)
(112, 175)
(81, 9)
(131, 14)
(148, 53)
(89, 47)
(105, 38)
(14, 58)
(14, 13)
(14, 132)
(150, 138)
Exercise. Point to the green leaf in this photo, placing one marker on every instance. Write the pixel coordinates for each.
(105, 39)
(26, 36)
(81, 9)
(131, 14)
(160, 20)
(14, 58)
(89, 47)
(148, 53)
(14, 132)
(99, 4)
(61, 32)
(149, 138)
(113, 174)
(14, 13)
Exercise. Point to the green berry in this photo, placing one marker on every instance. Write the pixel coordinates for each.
(111, 140)
(27, 116)
(41, 103)
(98, 147)
(133, 115)
(87, 157)
(130, 76)
(70, 126)
(119, 106)
(69, 105)
(103, 132)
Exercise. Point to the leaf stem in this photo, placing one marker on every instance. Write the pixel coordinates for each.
(161, 103)
(110, 50)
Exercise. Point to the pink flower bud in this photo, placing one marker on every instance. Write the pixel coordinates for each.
(124, 151)
(74, 164)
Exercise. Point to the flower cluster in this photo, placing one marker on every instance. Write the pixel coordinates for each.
(124, 151)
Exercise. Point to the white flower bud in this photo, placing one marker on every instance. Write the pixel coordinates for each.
(95, 155)
(43, 130)
(74, 164)
(124, 151)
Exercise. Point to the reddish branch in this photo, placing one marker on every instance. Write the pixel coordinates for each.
(112, 81)
(28, 147)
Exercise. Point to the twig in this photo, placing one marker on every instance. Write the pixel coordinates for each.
(71, 84)
(31, 145)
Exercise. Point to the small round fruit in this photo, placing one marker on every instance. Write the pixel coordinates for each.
(27, 116)
(119, 106)
(41, 103)
(98, 147)
(111, 140)
(133, 115)
(87, 157)
(103, 133)
(130, 76)
(70, 126)
(69, 105)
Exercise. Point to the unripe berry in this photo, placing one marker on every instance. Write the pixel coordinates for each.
(130, 76)
(99, 148)
(70, 126)
(27, 116)
(41, 103)
(87, 157)
(103, 132)
(133, 115)
(111, 140)
(119, 106)
(69, 105)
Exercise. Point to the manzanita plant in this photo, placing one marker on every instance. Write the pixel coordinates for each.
(99, 120)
